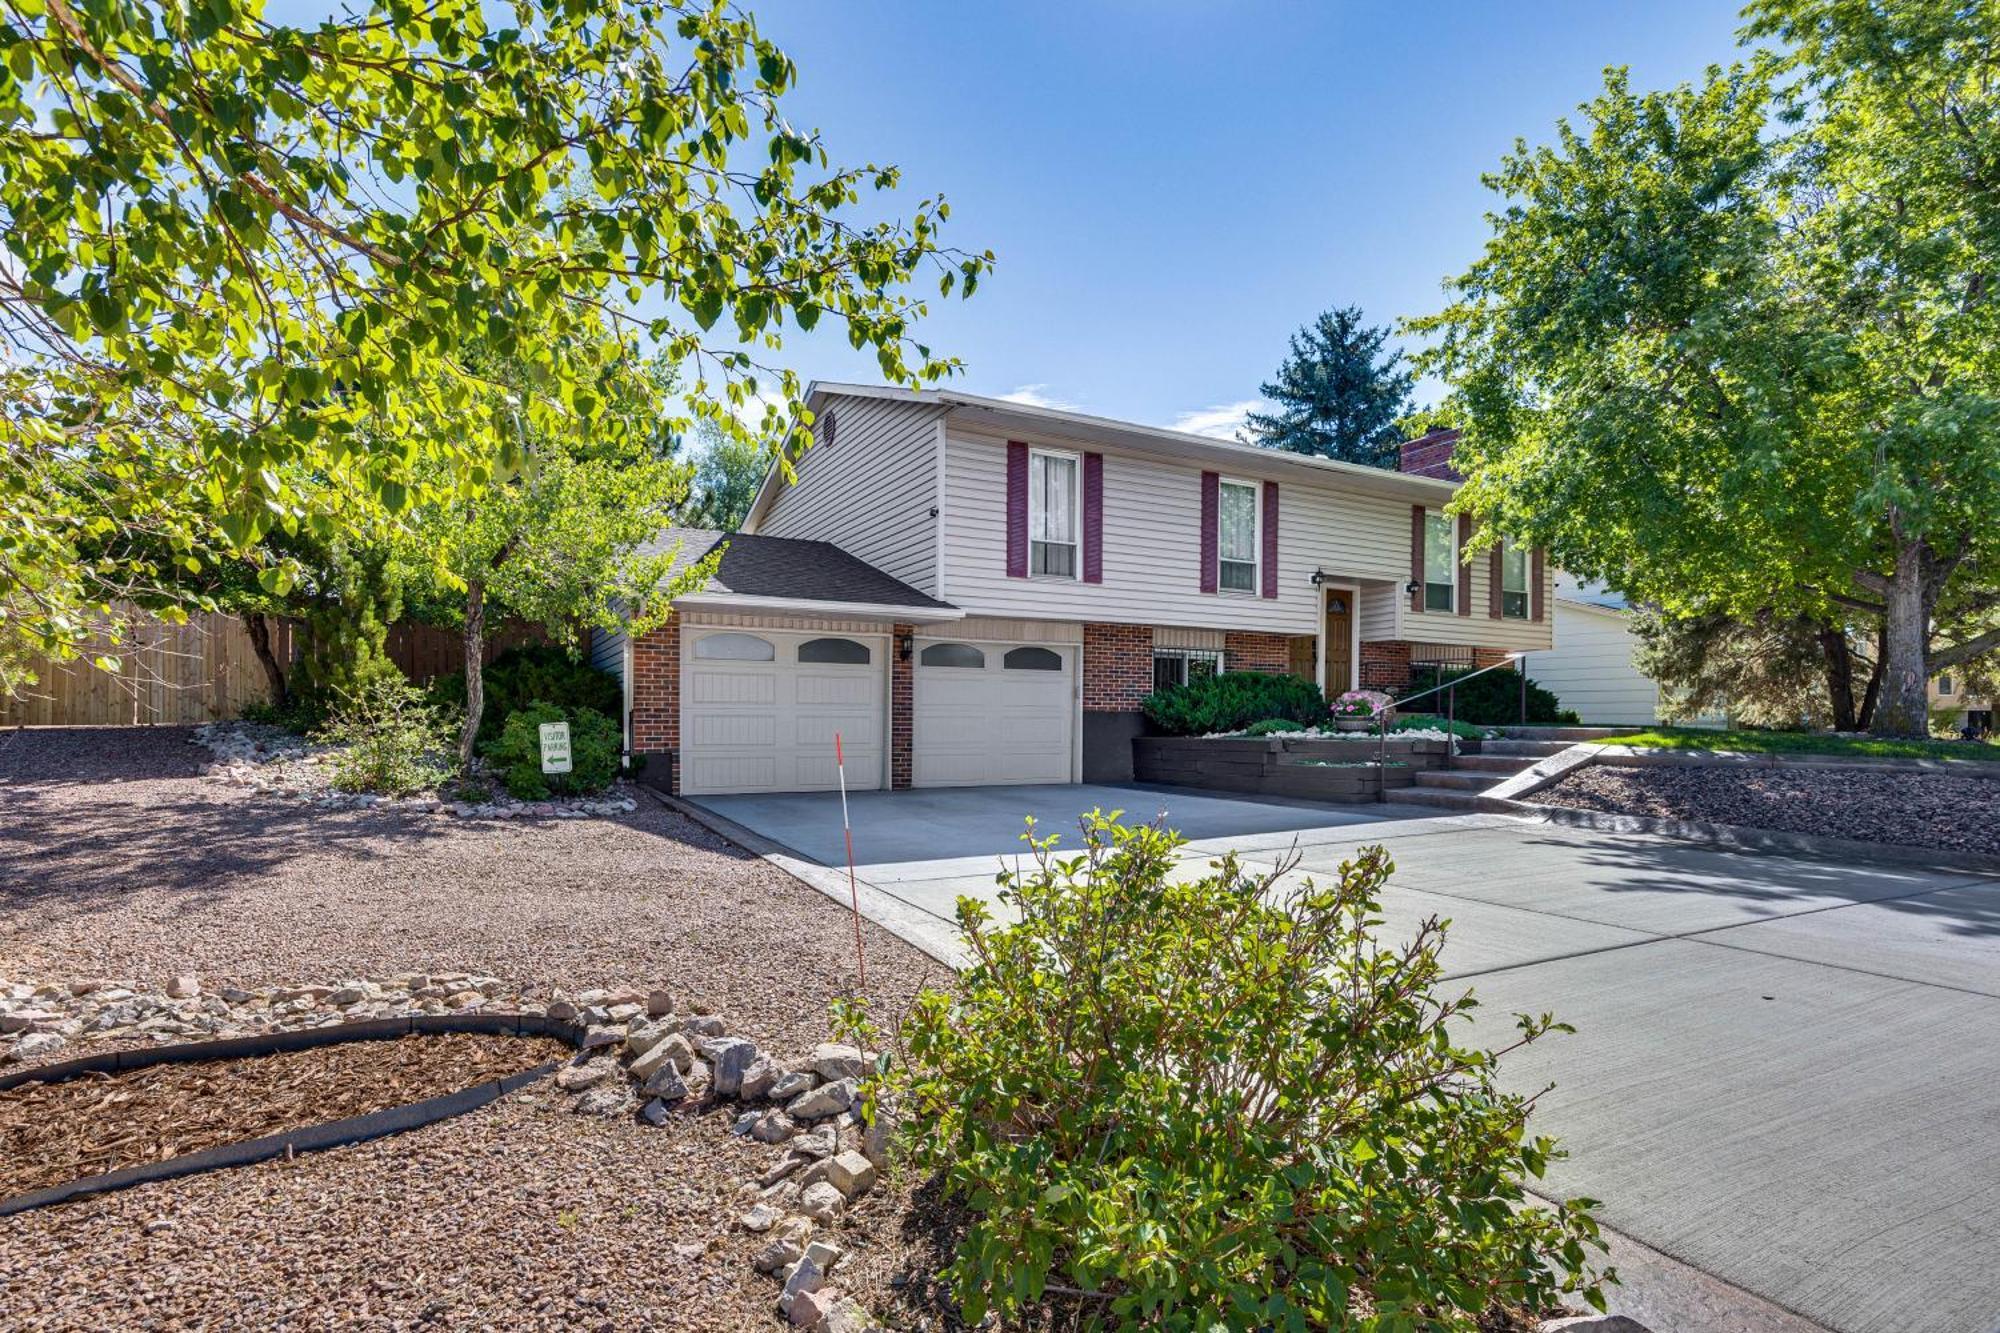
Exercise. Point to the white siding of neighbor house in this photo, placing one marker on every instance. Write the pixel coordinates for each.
(1590, 668)
(1152, 554)
(871, 491)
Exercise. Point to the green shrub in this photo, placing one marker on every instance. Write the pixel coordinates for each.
(516, 756)
(1459, 727)
(1222, 1103)
(390, 740)
(1492, 699)
(1274, 726)
(1232, 701)
(534, 673)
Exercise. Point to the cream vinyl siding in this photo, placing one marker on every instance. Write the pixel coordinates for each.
(871, 491)
(1477, 628)
(1152, 545)
(1590, 669)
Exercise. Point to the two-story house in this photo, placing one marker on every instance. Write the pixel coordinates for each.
(973, 591)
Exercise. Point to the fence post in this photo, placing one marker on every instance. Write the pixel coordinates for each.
(1521, 666)
(1450, 719)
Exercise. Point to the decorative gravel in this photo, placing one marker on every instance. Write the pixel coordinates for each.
(1922, 809)
(51, 1133)
(117, 859)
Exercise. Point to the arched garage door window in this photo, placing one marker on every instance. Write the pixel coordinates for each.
(1032, 659)
(834, 652)
(735, 648)
(953, 655)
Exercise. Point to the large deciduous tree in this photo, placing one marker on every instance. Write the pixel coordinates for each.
(237, 252)
(1735, 346)
(1337, 394)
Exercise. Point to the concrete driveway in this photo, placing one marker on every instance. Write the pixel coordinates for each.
(1786, 1073)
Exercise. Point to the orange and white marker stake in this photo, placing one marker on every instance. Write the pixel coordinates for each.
(853, 893)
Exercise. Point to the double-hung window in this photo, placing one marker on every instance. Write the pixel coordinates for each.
(1513, 581)
(1440, 563)
(1178, 666)
(1052, 515)
(1236, 536)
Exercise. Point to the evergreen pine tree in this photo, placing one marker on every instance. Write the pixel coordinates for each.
(1338, 394)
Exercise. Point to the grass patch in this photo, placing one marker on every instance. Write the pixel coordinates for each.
(1806, 742)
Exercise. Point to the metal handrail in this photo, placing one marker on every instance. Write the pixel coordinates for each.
(1450, 717)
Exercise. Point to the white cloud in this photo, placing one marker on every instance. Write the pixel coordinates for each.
(1035, 395)
(1224, 421)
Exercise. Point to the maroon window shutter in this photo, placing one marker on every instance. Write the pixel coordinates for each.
(1464, 569)
(1093, 518)
(1416, 557)
(1017, 510)
(1270, 539)
(1535, 584)
(1496, 584)
(1211, 517)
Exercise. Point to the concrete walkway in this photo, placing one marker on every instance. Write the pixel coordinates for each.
(1784, 1072)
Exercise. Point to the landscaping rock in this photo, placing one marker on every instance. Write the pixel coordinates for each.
(644, 1037)
(878, 1140)
(596, 1039)
(659, 1004)
(761, 1217)
(35, 1046)
(654, 1112)
(758, 1079)
(826, 1100)
(774, 1127)
(787, 1245)
(791, 1085)
(812, 1309)
(731, 1058)
(583, 1077)
(607, 1099)
(832, 1060)
(183, 988)
(803, 1279)
(821, 1202)
(704, 1025)
(851, 1173)
(666, 1084)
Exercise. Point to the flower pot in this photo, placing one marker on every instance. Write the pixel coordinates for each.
(1354, 724)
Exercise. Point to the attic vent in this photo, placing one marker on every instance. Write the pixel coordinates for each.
(826, 429)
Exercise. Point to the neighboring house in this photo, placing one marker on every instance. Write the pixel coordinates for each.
(1590, 667)
(974, 591)
(1954, 708)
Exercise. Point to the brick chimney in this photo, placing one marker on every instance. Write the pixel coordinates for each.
(1430, 455)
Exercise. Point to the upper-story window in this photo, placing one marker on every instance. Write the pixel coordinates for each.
(1513, 581)
(1440, 563)
(1944, 685)
(1236, 536)
(1052, 515)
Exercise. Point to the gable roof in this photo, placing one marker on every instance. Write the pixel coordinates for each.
(787, 569)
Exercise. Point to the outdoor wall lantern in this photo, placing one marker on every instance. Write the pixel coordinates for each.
(905, 644)
(1319, 577)
(1411, 587)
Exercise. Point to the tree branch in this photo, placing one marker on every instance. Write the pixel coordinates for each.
(1965, 652)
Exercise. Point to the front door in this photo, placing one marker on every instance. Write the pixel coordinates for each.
(1339, 642)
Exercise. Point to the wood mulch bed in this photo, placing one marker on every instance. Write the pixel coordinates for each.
(51, 1133)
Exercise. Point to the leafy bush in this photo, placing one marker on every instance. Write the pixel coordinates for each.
(1492, 699)
(517, 755)
(390, 739)
(1274, 726)
(1459, 727)
(534, 673)
(1221, 1103)
(1231, 702)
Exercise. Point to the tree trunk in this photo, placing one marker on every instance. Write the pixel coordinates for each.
(1903, 708)
(1874, 692)
(259, 630)
(475, 667)
(1839, 674)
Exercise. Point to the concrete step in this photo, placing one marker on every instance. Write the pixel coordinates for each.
(1443, 797)
(1568, 735)
(1531, 750)
(1455, 780)
(1493, 763)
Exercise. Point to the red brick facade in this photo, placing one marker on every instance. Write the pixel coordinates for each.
(656, 697)
(1248, 650)
(1117, 667)
(1486, 657)
(1385, 664)
(1430, 456)
(902, 711)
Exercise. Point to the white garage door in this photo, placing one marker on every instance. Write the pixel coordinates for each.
(759, 710)
(993, 712)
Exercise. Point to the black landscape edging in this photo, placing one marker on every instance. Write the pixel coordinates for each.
(307, 1138)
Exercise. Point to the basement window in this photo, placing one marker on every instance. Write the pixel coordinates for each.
(1178, 666)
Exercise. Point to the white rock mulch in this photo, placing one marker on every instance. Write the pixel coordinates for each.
(274, 762)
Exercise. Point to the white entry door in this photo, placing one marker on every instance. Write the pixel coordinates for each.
(993, 713)
(759, 710)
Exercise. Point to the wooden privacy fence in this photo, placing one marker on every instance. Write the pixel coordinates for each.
(206, 670)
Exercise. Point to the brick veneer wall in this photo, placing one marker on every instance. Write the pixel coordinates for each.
(656, 697)
(902, 712)
(1117, 666)
(1486, 657)
(1385, 664)
(1430, 456)
(1246, 650)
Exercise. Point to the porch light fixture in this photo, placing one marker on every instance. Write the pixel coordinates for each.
(1319, 577)
(905, 645)
(1411, 587)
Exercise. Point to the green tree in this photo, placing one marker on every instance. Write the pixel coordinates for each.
(1733, 346)
(1338, 393)
(241, 252)
(727, 472)
(1761, 671)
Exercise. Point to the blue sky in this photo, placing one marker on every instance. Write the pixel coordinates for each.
(1173, 186)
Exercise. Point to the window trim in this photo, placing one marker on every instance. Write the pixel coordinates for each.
(1256, 561)
(1075, 544)
(1450, 581)
(1525, 591)
(716, 636)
